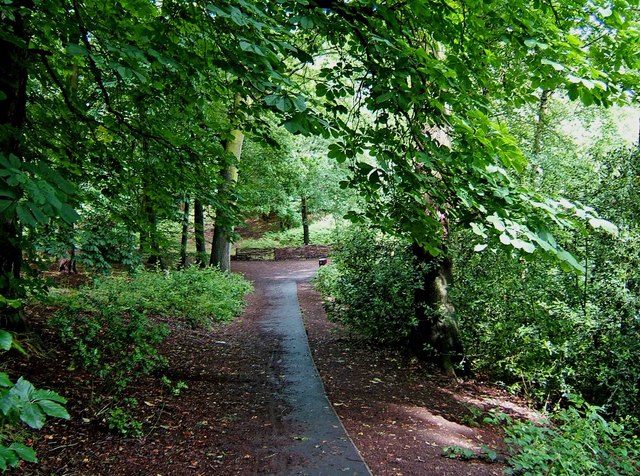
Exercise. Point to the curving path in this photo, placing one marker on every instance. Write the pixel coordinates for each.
(320, 444)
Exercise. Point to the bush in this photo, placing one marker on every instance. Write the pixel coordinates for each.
(111, 344)
(106, 325)
(23, 403)
(201, 296)
(120, 420)
(577, 441)
(547, 333)
(371, 285)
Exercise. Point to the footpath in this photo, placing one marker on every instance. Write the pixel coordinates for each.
(320, 444)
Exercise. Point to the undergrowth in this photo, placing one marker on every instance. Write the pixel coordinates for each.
(199, 296)
(320, 233)
(573, 441)
(576, 440)
(110, 331)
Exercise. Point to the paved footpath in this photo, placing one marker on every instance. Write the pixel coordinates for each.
(321, 441)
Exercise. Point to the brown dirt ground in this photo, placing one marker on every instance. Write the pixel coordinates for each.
(401, 413)
(230, 418)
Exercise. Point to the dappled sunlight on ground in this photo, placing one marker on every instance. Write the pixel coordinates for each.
(437, 429)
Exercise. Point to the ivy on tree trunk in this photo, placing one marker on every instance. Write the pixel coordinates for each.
(436, 335)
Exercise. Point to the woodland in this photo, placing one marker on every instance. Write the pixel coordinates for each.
(474, 166)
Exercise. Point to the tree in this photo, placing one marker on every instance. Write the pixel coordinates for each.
(413, 87)
(221, 246)
(404, 90)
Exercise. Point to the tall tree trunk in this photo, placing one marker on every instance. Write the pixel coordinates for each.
(198, 225)
(221, 246)
(437, 335)
(541, 121)
(305, 220)
(149, 242)
(13, 104)
(185, 235)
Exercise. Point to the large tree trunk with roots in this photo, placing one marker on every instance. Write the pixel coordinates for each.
(13, 102)
(437, 335)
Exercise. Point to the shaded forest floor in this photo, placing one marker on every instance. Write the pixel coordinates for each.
(231, 418)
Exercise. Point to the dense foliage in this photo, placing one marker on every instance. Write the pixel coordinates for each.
(21, 402)
(371, 284)
(201, 297)
(578, 441)
(548, 333)
(115, 117)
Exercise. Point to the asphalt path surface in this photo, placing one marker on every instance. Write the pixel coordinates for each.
(320, 442)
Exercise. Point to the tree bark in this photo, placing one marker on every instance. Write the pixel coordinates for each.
(185, 235)
(221, 246)
(198, 224)
(305, 221)
(437, 335)
(13, 86)
(149, 242)
(541, 122)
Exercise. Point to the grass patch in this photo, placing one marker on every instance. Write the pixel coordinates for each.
(320, 233)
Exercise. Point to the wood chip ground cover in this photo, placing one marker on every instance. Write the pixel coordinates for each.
(231, 418)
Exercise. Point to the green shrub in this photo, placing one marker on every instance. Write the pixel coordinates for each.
(577, 441)
(23, 403)
(121, 421)
(371, 285)
(547, 333)
(201, 296)
(111, 344)
(106, 325)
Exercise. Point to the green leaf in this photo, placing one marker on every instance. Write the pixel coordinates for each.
(283, 104)
(586, 97)
(604, 224)
(478, 230)
(557, 66)
(8, 458)
(37, 213)
(53, 409)
(299, 103)
(45, 394)
(32, 415)
(238, 17)
(5, 341)
(531, 43)
(24, 452)
(25, 215)
(76, 50)
(523, 245)
(5, 381)
(23, 389)
(68, 214)
(570, 260)
(479, 248)
(497, 222)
